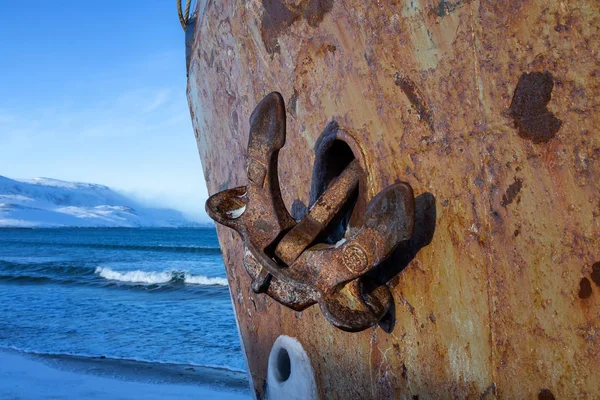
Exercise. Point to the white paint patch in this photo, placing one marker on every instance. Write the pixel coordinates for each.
(340, 242)
(236, 213)
(290, 375)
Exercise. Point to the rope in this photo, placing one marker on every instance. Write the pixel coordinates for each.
(185, 15)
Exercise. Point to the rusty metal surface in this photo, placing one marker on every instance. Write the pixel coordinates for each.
(490, 111)
(306, 265)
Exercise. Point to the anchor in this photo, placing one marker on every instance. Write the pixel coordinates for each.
(287, 259)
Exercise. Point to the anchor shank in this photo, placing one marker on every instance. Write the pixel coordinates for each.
(323, 211)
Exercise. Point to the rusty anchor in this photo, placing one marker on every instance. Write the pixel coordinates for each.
(284, 257)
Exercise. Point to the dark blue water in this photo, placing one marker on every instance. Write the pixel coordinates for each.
(157, 295)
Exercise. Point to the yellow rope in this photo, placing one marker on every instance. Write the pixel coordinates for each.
(185, 15)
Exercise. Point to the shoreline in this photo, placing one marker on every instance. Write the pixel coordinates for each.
(28, 375)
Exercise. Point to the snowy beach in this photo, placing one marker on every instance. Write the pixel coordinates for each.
(28, 376)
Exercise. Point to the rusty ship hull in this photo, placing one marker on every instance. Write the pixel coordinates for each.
(490, 111)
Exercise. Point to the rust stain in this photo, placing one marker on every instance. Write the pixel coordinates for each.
(278, 17)
(432, 317)
(416, 99)
(485, 275)
(315, 10)
(445, 8)
(585, 288)
(512, 192)
(292, 103)
(404, 369)
(595, 275)
(561, 28)
(545, 394)
(529, 107)
(589, 332)
(490, 390)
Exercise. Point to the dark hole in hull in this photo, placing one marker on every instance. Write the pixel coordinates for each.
(332, 157)
(283, 368)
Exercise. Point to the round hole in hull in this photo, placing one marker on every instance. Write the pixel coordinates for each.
(289, 373)
(283, 368)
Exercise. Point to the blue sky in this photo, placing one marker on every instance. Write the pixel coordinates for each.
(94, 91)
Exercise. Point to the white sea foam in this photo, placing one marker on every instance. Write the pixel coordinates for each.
(158, 277)
(204, 280)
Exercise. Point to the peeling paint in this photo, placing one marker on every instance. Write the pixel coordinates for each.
(529, 107)
(278, 17)
(512, 192)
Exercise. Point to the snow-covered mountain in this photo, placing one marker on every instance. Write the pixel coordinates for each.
(44, 202)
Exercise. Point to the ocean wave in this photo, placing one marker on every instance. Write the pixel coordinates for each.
(110, 246)
(58, 272)
(34, 279)
(46, 268)
(161, 277)
(45, 272)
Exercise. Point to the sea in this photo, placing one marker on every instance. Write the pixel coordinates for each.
(155, 297)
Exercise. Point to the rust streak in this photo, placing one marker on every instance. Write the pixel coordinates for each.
(416, 99)
(512, 192)
(585, 288)
(595, 275)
